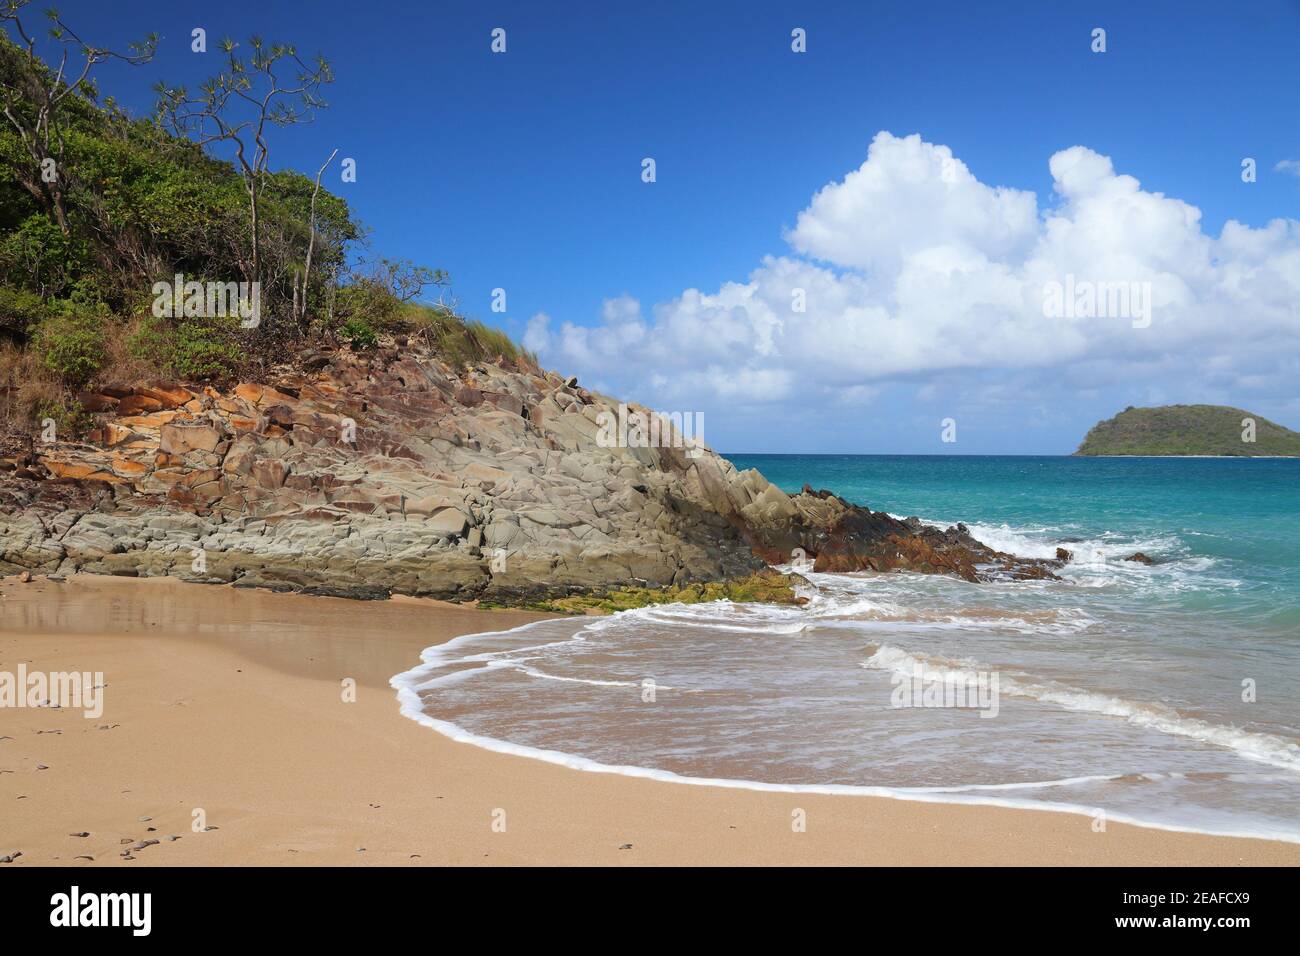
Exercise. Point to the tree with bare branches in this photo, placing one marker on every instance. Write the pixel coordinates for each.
(238, 105)
(31, 95)
(300, 310)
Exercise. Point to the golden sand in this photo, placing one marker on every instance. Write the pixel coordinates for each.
(232, 703)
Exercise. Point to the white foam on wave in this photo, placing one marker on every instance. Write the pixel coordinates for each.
(1042, 542)
(720, 621)
(433, 659)
(1023, 542)
(1260, 747)
(534, 672)
(893, 603)
(409, 684)
(837, 600)
(1017, 541)
(1100, 561)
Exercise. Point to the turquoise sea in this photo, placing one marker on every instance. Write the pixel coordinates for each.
(1165, 694)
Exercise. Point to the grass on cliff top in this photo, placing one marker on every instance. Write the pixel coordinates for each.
(459, 341)
(1187, 430)
(762, 587)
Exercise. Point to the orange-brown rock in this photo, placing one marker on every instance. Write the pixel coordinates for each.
(96, 402)
(269, 472)
(259, 395)
(135, 404)
(167, 395)
(182, 437)
(69, 469)
(127, 467)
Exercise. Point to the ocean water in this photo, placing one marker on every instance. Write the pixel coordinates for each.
(1167, 695)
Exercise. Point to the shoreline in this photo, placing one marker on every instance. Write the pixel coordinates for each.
(407, 683)
(229, 701)
(579, 764)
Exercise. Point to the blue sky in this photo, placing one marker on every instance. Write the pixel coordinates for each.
(522, 171)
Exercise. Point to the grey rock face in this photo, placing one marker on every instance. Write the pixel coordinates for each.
(392, 472)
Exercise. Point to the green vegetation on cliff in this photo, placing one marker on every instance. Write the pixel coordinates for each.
(97, 207)
(1189, 430)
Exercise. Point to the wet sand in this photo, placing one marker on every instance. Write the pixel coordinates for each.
(231, 702)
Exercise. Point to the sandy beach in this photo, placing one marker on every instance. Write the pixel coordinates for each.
(232, 702)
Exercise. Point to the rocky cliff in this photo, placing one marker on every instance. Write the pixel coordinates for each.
(364, 474)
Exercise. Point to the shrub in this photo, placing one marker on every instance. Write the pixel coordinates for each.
(207, 349)
(192, 349)
(85, 297)
(368, 301)
(72, 347)
(359, 334)
(39, 256)
(68, 416)
(19, 310)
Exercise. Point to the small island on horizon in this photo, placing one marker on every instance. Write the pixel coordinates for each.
(1190, 430)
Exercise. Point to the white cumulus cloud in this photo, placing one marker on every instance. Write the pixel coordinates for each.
(910, 269)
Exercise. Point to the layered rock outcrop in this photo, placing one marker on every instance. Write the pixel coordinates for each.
(388, 471)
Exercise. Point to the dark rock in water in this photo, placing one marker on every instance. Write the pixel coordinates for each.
(1063, 555)
(1140, 558)
(842, 537)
